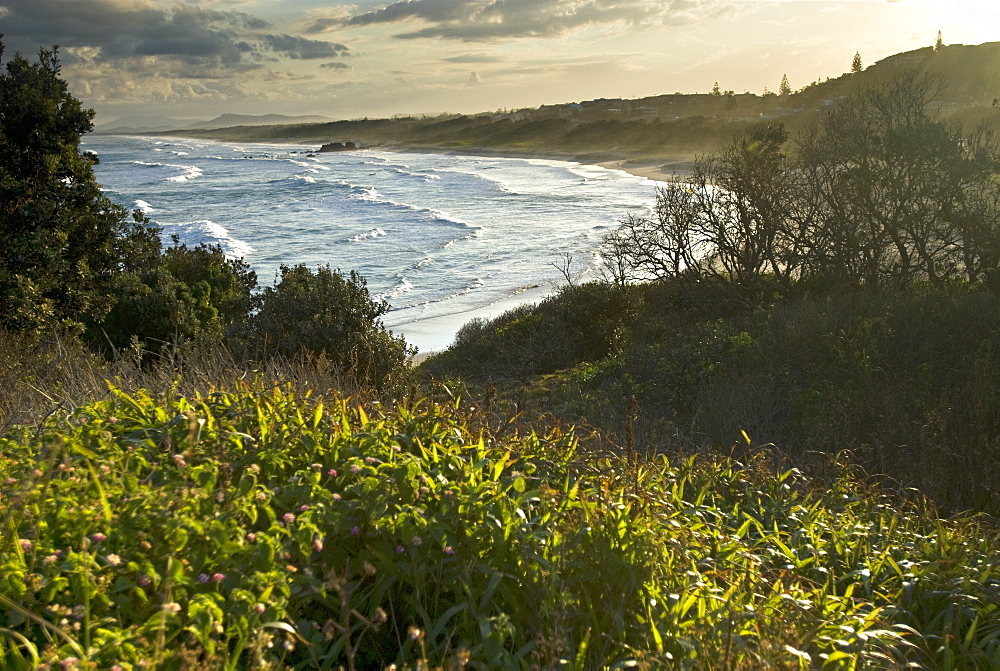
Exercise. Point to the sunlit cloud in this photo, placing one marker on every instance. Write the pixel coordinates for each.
(475, 20)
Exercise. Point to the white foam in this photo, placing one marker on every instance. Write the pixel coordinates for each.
(142, 205)
(368, 235)
(190, 172)
(207, 232)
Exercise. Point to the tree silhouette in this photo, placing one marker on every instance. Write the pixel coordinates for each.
(938, 43)
(785, 88)
(856, 65)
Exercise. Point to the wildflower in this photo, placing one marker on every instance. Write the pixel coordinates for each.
(400, 549)
(180, 461)
(289, 644)
(217, 628)
(11, 481)
(449, 550)
(336, 497)
(25, 545)
(424, 490)
(371, 460)
(355, 469)
(260, 608)
(112, 419)
(355, 531)
(79, 611)
(203, 578)
(414, 633)
(98, 537)
(253, 468)
(332, 472)
(288, 517)
(418, 541)
(291, 569)
(70, 663)
(448, 492)
(144, 580)
(220, 497)
(303, 507)
(218, 577)
(51, 559)
(261, 496)
(317, 466)
(318, 545)
(113, 559)
(397, 448)
(252, 537)
(172, 607)
(37, 473)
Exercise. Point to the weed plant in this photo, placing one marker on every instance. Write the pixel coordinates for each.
(260, 528)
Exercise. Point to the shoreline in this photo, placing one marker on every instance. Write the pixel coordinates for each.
(655, 168)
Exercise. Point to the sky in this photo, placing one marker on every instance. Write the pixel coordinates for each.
(375, 58)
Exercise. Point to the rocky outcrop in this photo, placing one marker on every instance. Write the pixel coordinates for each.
(341, 146)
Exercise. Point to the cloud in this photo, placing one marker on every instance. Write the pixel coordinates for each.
(474, 58)
(302, 48)
(169, 50)
(474, 79)
(336, 65)
(475, 20)
(134, 29)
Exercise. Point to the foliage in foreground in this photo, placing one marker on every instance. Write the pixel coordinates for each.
(257, 528)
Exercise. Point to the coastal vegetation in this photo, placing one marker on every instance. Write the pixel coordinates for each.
(767, 439)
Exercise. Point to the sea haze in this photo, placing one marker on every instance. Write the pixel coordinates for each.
(442, 238)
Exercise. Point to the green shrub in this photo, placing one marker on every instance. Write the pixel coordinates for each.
(191, 293)
(326, 313)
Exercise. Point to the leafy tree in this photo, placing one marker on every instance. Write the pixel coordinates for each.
(785, 88)
(191, 292)
(856, 65)
(939, 42)
(63, 245)
(715, 90)
(895, 189)
(330, 314)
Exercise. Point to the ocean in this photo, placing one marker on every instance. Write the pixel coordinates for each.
(442, 238)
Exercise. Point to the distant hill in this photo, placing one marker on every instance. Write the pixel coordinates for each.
(645, 130)
(154, 124)
(230, 120)
(141, 124)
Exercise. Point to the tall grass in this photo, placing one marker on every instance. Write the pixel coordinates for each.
(271, 529)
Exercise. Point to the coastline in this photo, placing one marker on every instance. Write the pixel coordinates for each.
(434, 335)
(656, 168)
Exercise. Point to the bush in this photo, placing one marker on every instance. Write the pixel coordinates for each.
(192, 293)
(326, 313)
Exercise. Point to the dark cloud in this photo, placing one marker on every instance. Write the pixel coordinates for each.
(302, 48)
(473, 20)
(336, 65)
(134, 29)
